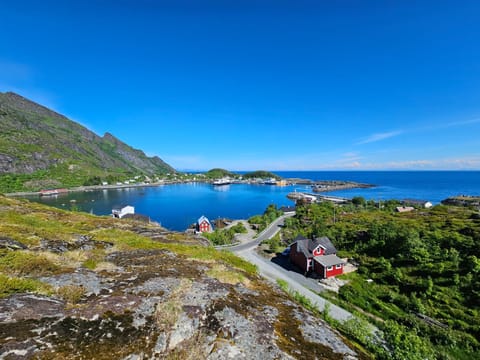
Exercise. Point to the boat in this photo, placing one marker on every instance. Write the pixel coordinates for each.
(271, 181)
(50, 192)
(222, 181)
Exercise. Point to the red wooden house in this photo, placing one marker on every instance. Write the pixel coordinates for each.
(318, 255)
(203, 224)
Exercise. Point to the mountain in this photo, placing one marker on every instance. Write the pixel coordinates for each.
(41, 144)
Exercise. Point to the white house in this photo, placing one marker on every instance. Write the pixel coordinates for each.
(121, 211)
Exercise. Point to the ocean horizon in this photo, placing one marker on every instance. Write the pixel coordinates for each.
(177, 206)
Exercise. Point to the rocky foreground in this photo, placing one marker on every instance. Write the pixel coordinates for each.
(124, 291)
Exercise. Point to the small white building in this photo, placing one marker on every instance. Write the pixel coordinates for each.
(120, 211)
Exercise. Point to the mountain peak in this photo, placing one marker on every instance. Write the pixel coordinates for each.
(36, 138)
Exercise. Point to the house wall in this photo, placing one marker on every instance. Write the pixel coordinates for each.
(126, 210)
(298, 258)
(318, 251)
(320, 270)
(204, 227)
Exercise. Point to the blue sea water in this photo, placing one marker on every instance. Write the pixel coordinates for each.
(179, 205)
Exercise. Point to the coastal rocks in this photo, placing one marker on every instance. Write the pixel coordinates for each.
(155, 304)
(88, 280)
(20, 307)
(317, 331)
(82, 242)
(10, 244)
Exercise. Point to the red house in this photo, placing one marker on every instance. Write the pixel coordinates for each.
(203, 224)
(318, 255)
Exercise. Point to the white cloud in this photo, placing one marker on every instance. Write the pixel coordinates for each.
(379, 136)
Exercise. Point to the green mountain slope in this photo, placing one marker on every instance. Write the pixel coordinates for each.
(39, 147)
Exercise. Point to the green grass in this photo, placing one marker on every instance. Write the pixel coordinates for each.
(22, 263)
(10, 285)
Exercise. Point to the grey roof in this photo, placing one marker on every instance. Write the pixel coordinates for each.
(325, 243)
(302, 246)
(308, 245)
(288, 208)
(202, 218)
(328, 260)
(119, 207)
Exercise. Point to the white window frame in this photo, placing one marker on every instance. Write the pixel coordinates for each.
(338, 266)
(329, 268)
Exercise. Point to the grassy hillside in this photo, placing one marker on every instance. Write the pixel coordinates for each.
(422, 269)
(261, 174)
(78, 286)
(40, 148)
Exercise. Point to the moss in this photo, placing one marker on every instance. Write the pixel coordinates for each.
(225, 275)
(112, 336)
(71, 293)
(26, 263)
(11, 285)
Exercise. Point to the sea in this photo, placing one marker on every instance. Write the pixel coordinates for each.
(177, 206)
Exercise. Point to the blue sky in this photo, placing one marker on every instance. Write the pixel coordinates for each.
(245, 85)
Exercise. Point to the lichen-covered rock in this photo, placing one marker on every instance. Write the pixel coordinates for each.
(153, 304)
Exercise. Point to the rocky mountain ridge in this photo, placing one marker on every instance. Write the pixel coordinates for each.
(34, 138)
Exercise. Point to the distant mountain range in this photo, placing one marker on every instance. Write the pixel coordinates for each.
(40, 147)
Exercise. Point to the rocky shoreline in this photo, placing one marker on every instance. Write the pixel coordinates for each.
(334, 185)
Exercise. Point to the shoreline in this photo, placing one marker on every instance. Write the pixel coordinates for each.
(98, 187)
(334, 185)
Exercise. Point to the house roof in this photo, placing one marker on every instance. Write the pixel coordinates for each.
(325, 243)
(120, 207)
(402, 209)
(202, 219)
(302, 246)
(328, 260)
(286, 209)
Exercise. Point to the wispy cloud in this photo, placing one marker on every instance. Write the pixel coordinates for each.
(379, 137)
(461, 123)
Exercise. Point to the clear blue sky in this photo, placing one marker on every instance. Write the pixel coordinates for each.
(250, 85)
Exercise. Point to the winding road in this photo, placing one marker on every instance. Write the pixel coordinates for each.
(273, 272)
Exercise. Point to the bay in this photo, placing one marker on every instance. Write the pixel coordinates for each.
(179, 205)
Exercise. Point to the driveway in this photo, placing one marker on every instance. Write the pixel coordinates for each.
(272, 272)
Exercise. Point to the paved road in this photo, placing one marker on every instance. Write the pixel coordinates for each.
(272, 271)
(269, 232)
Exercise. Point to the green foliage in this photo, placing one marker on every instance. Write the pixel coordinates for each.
(25, 263)
(269, 215)
(225, 236)
(10, 285)
(423, 262)
(358, 201)
(361, 332)
(275, 244)
(219, 173)
(62, 152)
(94, 180)
(261, 174)
(405, 343)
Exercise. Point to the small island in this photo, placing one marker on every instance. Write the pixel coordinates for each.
(333, 185)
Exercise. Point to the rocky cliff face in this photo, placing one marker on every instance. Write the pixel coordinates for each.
(150, 295)
(33, 138)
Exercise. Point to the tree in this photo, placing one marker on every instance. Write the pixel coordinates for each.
(358, 201)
